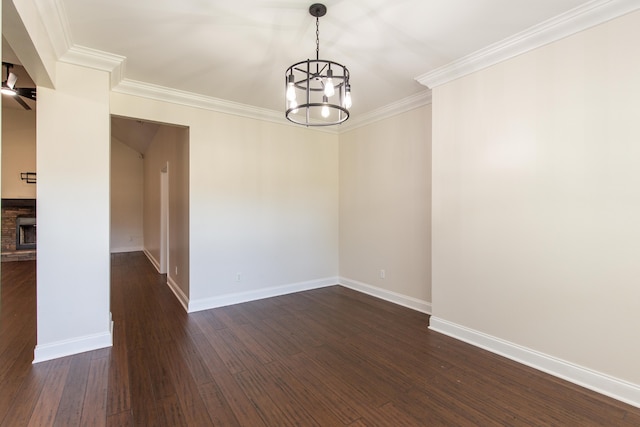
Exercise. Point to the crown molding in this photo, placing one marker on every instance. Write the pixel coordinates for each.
(403, 105)
(54, 18)
(575, 20)
(98, 60)
(190, 99)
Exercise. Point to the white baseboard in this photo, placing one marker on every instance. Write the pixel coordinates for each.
(184, 300)
(69, 347)
(240, 297)
(126, 249)
(154, 261)
(593, 380)
(394, 297)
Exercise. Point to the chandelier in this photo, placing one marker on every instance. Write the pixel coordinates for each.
(317, 91)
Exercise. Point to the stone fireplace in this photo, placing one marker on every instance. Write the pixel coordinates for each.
(18, 230)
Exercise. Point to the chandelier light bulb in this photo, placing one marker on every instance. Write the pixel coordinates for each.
(291, 90)
(347, 97)
(325, 108)
(293, 105)
(329, 89)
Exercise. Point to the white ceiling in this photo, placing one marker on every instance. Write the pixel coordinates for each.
(238, 50)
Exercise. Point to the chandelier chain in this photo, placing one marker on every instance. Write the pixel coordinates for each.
(317, 38)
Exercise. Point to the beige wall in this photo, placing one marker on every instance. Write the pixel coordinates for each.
(170, 145)
(536, 185)
(18, 151)
(126, 198)
(385, 205)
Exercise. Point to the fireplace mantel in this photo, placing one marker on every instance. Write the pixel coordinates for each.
(18, 203)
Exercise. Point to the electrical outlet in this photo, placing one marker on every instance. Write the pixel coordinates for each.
(382, 274)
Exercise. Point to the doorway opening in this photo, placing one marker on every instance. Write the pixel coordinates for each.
(19, 176)
(150, 196)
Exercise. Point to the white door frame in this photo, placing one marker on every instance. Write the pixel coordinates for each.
(164, 219)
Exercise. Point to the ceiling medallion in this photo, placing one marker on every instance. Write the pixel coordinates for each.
(317, 91)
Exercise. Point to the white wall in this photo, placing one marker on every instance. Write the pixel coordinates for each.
(18, 151)
(263, 202)
(385, 208)
(73, 213)
(126, 198)
(536, 200)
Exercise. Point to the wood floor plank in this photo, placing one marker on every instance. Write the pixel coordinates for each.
(325, 411)
(437, 405)
(94, 408)
(122, 419)
(143, 402)
(295, 332)
(19, 371)
(276, 406)
(389, 415)
(187, 392)
(267, 338)
(214, 363)
(217, 406)
(339, 379)
(119, 394)
(235, 354)
(27, 396)
(193, 359)
(206, 319)
(70, 409)
(172, 412)
(244, 410)
(159, 373)
(230, 316)
(332, 392)
(48, 403)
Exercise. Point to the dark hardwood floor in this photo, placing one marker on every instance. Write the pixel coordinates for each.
(328, 357)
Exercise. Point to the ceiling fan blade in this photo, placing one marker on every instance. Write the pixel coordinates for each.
(27, 92)
(21, 102)
(11, 80)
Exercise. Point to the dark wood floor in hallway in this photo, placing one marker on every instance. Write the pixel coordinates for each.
(327, 357)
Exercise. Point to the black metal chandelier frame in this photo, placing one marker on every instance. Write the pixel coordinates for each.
(309, 80)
